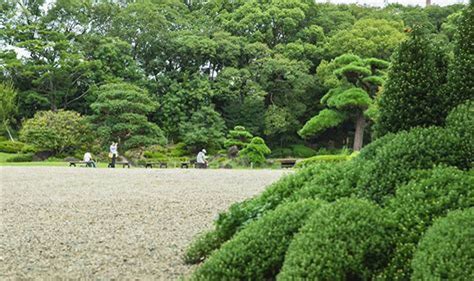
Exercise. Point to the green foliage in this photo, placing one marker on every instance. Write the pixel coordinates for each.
(120, 114)
(353, 83)
(445, 252)
(11, 146)
(249, 257)
(326, 118)
(332, 182)
(241, 214)
(24, 157)
(460, 86)
(302, 151)
(412, 95)
(8, 106)
(461, 122)
(353, 97)
(321, 158)
(376, 38)
(239, 137)
(394, 159)
(256, 151)
(429, 195)
(352, 239)
(205, 129)
(59, 131)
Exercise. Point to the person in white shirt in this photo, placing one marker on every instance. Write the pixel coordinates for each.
(88, 160)
(201, 161)
(113, 153)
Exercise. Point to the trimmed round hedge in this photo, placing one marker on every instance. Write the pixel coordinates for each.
(242, 213)
(461, 122)
(446, 251)
(331, 183)
(257, 252)
(392, 163)
(431, 194)
(349, 239)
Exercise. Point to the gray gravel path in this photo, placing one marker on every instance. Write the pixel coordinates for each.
(111, 223)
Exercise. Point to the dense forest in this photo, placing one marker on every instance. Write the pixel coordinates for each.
(293, 72)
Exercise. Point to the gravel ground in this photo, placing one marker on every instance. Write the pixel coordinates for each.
(84, 223)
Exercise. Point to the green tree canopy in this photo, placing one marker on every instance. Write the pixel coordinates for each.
(59, 131)
(354, 83)
(120, 114)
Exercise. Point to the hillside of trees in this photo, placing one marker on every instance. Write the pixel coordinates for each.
(292, 72)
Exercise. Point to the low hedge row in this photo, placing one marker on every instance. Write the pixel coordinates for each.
(249, 257)
(321, 159)
(11, 146)
(26, 157)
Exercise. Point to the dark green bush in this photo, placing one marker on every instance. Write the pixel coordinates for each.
(302, 151)
(257, 252)
(429, 195)
(392, 163)
(21, 158)
(346, 240)
(446, 250)
(11, 146)
(332, 182)
(242, 213)
(461, 122)
(281, 152)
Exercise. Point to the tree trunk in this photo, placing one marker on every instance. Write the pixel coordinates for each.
(9, 134)
(359, 132)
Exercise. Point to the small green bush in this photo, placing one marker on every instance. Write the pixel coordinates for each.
(21, 158)
(429, 195)
(346, 240)
(320, 159)
(392, 163)
(242, 213)
(29, 149)
(257, 252)
(256, 151)
(446, 250)
(11, 146)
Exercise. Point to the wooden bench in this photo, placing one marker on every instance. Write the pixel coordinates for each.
(151, 164)
(123, 163)
(287, 163)
(74, 163)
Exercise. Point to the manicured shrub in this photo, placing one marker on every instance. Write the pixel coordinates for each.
(322, 159)
(332, 182)
(431, 194)
(242, 213)
(257, 252)
(21, 158)
(420, 148)
(11, 146)
(445, 251)
(346, 240)
(256, 151)
(461, 122)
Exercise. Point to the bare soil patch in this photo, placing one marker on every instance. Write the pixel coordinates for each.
(111, 223)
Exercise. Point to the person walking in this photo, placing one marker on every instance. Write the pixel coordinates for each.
(201, 161)
(88, 160)
(113, 154)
